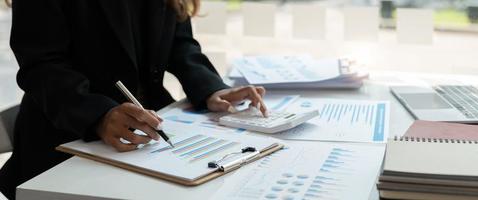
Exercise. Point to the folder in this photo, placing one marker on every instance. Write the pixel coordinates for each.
(188, 163)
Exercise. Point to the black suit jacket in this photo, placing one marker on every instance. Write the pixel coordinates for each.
(70, 55)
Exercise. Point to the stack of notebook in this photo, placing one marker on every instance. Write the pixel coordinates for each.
(429, 168)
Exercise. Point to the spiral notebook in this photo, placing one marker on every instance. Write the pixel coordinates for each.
(432, 158)
(425, 168)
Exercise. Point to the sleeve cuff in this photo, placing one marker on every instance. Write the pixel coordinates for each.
(200, 103)
(102, 106)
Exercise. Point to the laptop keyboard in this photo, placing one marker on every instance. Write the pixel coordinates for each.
(462, 97)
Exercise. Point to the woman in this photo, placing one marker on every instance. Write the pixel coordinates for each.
(70, 55)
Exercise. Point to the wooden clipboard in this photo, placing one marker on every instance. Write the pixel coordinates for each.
(264, 152)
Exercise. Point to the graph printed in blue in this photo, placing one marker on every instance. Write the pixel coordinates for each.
(357, 114)
(283, 102)
(180, 119)
(327, 184)
(379, 130)
(197, 147)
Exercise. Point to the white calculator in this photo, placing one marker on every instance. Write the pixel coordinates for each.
(252, 119)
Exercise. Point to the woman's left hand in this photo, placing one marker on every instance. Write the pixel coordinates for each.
(223, 100)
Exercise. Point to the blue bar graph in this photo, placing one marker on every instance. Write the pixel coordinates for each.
(193, 145)
(203, 148)
(179, 143)
(283, 102)
(214, 151)
(369, 116)
(379, 130)
(354, 113)
(327, 183)
(197, 147)
(179, 119)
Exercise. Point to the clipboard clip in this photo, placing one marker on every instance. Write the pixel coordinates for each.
(238, 162)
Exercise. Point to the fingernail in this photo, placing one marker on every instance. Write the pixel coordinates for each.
(159, 127)
(231, 109)
(140, 146)
(159, 117)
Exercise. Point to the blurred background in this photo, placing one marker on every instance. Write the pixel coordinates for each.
(451, 50)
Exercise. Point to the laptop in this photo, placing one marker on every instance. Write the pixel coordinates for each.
(449, 103)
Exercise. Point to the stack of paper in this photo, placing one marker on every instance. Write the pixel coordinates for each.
(291, 72)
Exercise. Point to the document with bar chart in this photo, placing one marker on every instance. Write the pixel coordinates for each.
(185, 116)
(308, 171)
(189, 158)
(342, 120)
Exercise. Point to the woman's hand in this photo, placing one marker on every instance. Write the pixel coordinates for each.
(119, 121)
(223, 100)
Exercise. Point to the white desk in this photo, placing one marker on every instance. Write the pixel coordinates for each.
(78, 178)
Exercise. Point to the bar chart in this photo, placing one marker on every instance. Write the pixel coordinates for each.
(359, 121)
(197, 147)
(334, 172)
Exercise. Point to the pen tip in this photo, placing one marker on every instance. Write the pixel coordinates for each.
(170, 143)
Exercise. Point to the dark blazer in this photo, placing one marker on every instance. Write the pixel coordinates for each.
(70, 55)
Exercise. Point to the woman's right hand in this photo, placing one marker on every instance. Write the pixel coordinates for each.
(119, 121)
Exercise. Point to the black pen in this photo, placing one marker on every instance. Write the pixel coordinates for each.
(130, 96)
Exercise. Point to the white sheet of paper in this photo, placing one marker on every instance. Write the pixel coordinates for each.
(308, 21)
(212, 19)
(279, 102)
(309, 171)
(259, 19)
(359, 121)
(186, 115)
(414, 26)
(361, 23)
(188, 160)
(286, 69)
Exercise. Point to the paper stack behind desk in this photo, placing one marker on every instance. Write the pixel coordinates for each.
(296, 72)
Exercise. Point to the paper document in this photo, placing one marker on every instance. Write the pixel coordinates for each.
(280, 102)
(313, 171)
(286, 69)
(188, 160)
(185, 115)
(297, 72)
(341, 120)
